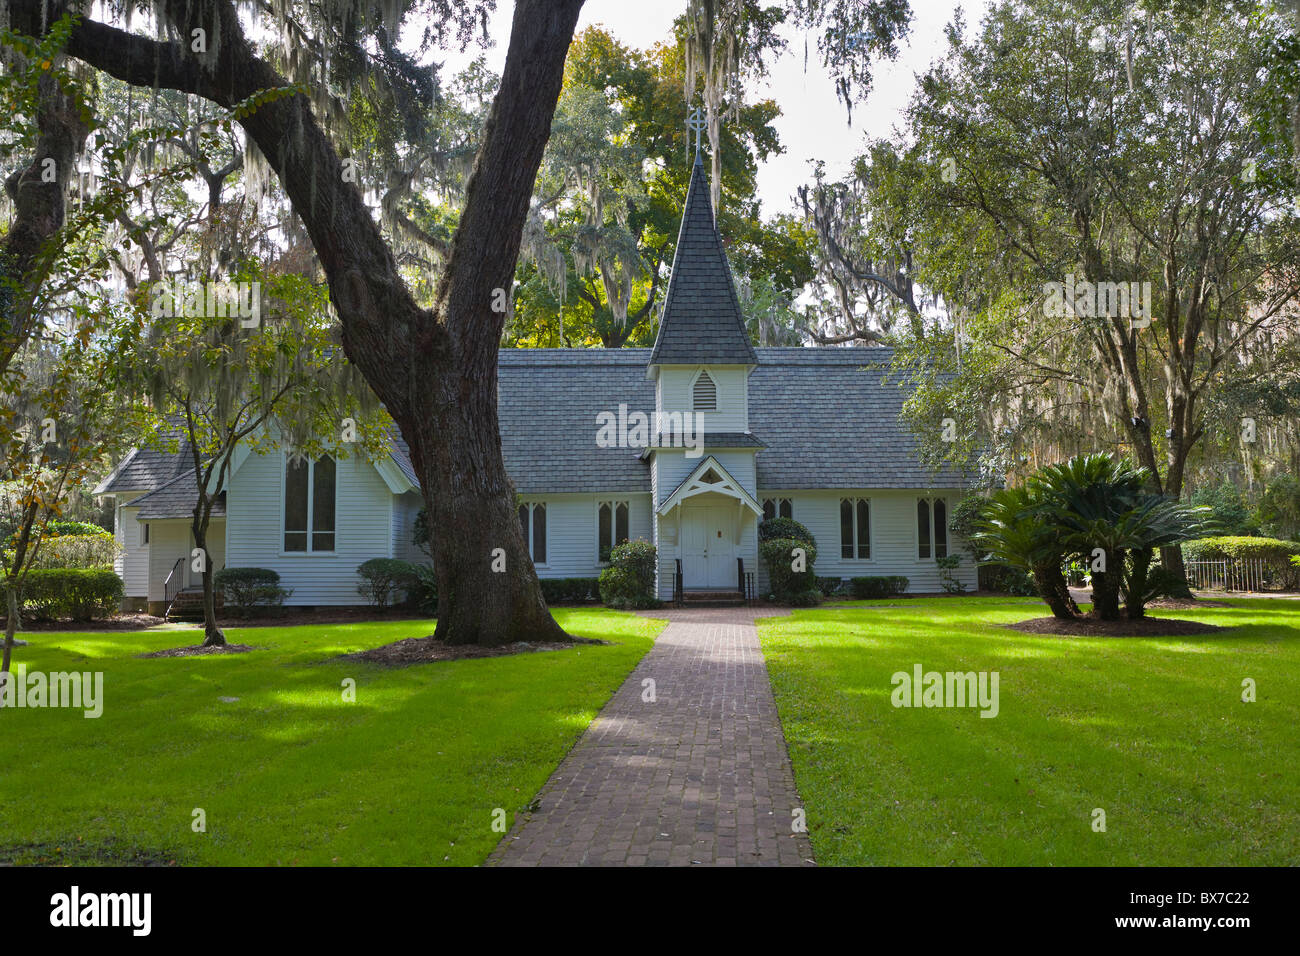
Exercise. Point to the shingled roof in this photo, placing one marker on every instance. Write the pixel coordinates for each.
(145, 469)
(819, 417)
(828, 417)
(701, 323)
(175, 499)
(548, 400)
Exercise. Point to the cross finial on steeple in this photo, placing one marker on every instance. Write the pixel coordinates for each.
(699, 124)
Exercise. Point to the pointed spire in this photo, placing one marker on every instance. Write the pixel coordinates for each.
(702, 323)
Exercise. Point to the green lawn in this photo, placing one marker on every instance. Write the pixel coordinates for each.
(408, 774)
(1153, 731)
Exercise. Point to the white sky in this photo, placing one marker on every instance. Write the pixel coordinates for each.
(813, 124)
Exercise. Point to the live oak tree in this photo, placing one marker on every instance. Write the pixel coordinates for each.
(36, 84)
(433, 366)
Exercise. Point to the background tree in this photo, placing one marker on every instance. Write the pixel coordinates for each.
(1061, 141)
(222, 382)
(602, 230)
(62, 424)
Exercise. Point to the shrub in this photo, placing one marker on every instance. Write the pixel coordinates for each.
(779, 557)
(874, 587)
(947, 580)
(77, 551)
(830, 586)
(774, 528)
(82, 594)
(62, 529)
(809, 598)
(382, 579)
(248, 589)
(629, 581)
(1273, 552)
(964, 521)
(1006, 580)
(1228, 512)
(570, 590)
(423, 595)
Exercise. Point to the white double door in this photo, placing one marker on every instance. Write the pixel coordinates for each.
(708, 545)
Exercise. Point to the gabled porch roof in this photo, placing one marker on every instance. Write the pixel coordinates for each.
(709, 476)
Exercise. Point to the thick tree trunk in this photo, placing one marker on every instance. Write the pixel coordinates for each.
(1055, 591)
(434, 370)
(1106, 588)
(1134, 597)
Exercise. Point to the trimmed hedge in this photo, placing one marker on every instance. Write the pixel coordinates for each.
(77, 551)
(629, 581)
(830, 586)
(771, 529)
(796, 588)
(248, 589)
(1274, 552)
(874, 587)
(82, 594)
(570, 590)
(382, 579)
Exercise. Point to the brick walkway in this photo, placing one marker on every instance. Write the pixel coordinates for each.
(701, 775)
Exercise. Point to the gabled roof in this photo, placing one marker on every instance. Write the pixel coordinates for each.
(547, 403)
(829, 418)
(175, 499)
(702, 323)
(709, 477)
(145, 469)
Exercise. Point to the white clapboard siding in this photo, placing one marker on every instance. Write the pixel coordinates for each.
(132, 562)
(675, 393)
(571, 546)
(169, 540)
(405, 509)
(255, 529)
(893, 536)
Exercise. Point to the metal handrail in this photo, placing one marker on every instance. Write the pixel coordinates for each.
(169, 597)
(677, 583)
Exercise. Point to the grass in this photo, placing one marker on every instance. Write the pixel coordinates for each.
(411, 773)
(1151, 730)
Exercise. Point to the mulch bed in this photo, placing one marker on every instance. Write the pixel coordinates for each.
(1094, 627)
(198, 650)
(425, 650)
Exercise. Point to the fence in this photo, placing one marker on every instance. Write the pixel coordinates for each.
(1242, 574)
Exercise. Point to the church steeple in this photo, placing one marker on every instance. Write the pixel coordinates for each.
(702, 323)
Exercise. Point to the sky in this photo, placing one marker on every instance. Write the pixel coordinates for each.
(813, 124)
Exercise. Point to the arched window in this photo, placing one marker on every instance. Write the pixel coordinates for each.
(923, 528)
(705, 398)
(309, 505)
